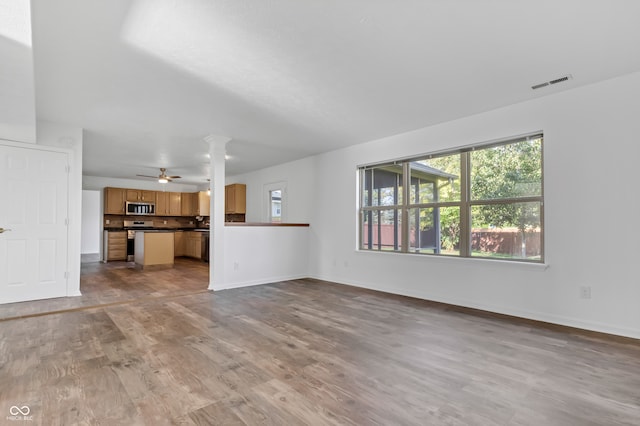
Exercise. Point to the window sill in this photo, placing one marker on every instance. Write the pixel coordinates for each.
(533, 266)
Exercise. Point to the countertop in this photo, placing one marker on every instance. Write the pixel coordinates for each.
(207, 229)
(111, 229)
(264, 224)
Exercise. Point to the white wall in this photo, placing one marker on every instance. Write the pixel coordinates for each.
(299, 177)
(91, 222)
(264, 254)
(591, 152)
(17, 84)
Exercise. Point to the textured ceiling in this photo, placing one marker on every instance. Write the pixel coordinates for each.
(149, 79)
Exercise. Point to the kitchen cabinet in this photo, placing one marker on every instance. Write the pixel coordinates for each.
(168, 204)
(114, 199)
(116, 245)
(141, 195)
(162, 203)
(193, 244)
(178, 243)
(204, 203)
(235, 197)
(189, 204)
(175, 204)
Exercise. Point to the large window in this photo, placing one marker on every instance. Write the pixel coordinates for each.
(481, 201)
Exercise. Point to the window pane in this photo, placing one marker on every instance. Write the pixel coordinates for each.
(507, 231)
(382, 186)
(507, 171)
(435, 179)
(434, 230)
(381, 230)
(276, 205)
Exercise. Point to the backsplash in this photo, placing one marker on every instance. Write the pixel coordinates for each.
(159, 222)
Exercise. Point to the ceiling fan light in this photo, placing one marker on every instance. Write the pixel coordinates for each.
(162, 180)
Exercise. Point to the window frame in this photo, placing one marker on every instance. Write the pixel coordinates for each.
(465, 204)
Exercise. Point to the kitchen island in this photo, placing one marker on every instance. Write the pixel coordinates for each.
(154, 248)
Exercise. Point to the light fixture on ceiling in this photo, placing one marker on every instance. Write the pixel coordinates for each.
(162, 177)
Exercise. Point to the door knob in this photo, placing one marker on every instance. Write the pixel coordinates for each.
(4, 230)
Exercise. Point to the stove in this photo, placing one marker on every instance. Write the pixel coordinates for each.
(138, 224)
(131, 226)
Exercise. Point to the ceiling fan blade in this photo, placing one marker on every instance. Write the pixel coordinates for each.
(174, 177)
(154, 177)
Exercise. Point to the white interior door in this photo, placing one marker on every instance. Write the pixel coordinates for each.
(33, 213)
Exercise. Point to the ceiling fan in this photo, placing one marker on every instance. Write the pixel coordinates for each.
(162, 177)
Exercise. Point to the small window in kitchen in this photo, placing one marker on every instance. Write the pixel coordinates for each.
(276, 205)
(275, 202)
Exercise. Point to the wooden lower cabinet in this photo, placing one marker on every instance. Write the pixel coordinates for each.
(193, 244)
(178, 242)
(116, 244)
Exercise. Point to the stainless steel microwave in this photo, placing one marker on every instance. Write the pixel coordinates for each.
(136, 208)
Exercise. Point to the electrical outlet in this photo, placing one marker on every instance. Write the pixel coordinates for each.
(585, 292)
(164, 222)
(107, 221)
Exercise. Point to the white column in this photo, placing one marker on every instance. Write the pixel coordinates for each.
(217, 152)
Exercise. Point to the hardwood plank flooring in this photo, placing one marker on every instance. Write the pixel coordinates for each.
(154, 348)
(119, 282)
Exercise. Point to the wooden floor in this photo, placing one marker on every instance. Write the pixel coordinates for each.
(155, 348)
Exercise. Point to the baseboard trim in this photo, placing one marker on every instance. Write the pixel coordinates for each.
(89, 257)
(272, 280)
(540, 319)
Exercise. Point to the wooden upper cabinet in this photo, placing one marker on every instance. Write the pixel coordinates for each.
(175, 204)
(189, 203)
(141, 195)
(204, 203)
(178, 244)
(162, 203)
(114, 199)
(167, 203)
(235, 197)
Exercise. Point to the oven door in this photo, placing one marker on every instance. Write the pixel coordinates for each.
(131, 245)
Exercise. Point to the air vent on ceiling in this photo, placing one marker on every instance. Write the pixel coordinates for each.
(556, 81)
